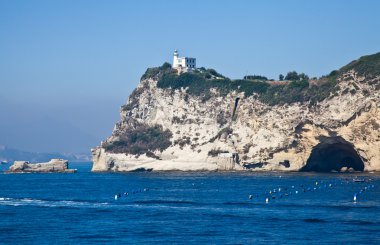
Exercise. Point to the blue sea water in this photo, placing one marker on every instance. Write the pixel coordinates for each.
(188, 208)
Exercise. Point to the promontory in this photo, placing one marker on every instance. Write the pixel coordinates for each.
(188, 118)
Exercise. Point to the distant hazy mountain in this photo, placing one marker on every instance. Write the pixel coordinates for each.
(35, 129)
(10, 155)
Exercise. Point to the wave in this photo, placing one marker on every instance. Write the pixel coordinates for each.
(166, 202)
(5, 201)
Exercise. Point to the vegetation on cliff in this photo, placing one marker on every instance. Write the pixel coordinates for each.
(157, 72)
(297, 87)
(299, 91)
(368, 65)
(140, 140)
(271, 93)
(200, 82)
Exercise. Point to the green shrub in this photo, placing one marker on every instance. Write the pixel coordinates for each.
(185, 140)
(299, 91)
(366, 65)
(214, 73)
(255, 77)
(199, 85)
(141, 140)
(249, 87)
(156, 72)
(294, 76)
(303, 84)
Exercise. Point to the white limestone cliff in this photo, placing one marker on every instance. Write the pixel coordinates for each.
(280, 137)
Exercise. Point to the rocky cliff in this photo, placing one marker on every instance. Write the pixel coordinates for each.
(53, 166)
(204, 121)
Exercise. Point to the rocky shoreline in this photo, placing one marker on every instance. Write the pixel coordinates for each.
(53, 166)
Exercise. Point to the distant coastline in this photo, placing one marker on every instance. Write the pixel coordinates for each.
(10, 155)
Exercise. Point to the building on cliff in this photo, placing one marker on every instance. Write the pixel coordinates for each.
(228, 161)
(183, 64)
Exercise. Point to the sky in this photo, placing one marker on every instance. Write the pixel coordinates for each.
(66, 67)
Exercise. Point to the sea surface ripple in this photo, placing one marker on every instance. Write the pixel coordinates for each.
(189, 208)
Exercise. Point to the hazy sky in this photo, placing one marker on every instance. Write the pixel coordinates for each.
(66, 67)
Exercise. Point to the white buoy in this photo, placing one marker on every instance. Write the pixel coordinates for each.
(116, 197)
(267, 200)
(355, 198)
(296, 192)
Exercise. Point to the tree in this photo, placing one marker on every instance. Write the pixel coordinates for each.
(166, 66)
(281, 77)
(292, 75)
(303, 76)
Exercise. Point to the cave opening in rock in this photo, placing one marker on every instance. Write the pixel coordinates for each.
(333, 154)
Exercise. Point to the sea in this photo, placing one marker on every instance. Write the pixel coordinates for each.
(189, 208)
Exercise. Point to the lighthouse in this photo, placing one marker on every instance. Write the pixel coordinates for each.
(183, 64)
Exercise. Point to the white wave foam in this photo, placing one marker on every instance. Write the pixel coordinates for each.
(48, 203)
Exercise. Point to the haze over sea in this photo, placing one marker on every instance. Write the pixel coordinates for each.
(188, 207)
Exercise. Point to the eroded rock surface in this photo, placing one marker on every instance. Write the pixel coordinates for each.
(53, 166)
(265, 137)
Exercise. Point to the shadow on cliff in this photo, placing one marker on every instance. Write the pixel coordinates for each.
(333, 154)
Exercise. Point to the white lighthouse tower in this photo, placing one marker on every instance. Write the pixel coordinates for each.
(183, 64)
(175, 59)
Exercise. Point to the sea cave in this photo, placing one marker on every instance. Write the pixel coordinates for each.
(333, 154)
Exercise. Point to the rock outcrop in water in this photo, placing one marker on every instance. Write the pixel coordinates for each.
(204, 121)
(53, 166)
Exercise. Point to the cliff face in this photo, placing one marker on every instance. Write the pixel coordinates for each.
(234, 131)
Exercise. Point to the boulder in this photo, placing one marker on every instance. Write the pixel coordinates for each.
(53, 166)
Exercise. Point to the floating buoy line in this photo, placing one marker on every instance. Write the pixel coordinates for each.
(283, 192)
(126, 194)
(280, 192)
